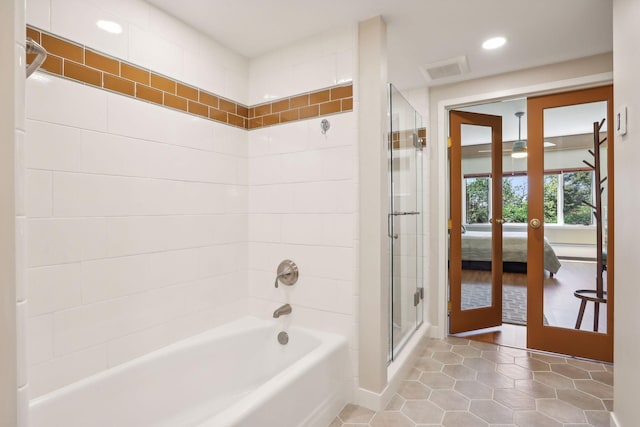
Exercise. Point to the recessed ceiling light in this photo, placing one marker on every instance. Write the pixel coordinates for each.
(494, 43)
(109, 26)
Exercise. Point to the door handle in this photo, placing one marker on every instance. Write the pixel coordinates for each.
(497, 220)
(535, 223)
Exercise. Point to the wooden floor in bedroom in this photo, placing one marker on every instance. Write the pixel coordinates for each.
(560, 305)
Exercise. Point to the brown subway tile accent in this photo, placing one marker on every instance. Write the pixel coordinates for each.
(271, 119)
(262, 110)
(53, 64)
(333, 100)
(63, 48)
(162, 83)
(289, 116)
(208, 99)
(236, 120)
(134, 73)
(278, 106)
(299, 101)
(101, 62)
(175, 102)
(330, 107)
(255, 123)
(318, 97)
(199, 109)
(242, 111)
(84, 74)
(228, 106)
(120, 85)
(218, 115)
(347, 104)
(187, 92)
(77, 62)
(34, 34)
(309, 112)
(149, 94)
(342, 92)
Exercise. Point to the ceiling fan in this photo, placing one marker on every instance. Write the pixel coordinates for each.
(518, 149)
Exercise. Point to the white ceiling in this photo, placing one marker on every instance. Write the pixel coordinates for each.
(419, 31)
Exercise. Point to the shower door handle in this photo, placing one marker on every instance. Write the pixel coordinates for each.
(389, 222)
(405, 213)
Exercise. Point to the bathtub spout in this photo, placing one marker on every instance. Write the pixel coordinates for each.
(285, 309)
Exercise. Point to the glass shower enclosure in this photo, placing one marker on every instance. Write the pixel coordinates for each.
(406, 142)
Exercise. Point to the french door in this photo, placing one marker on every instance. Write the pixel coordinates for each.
(585, 331)
(567, 175)
(474, 305)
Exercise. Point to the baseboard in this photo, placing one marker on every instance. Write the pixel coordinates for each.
(437, 332)
(613, 421)
(395, 374)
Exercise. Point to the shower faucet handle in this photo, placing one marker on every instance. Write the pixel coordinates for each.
(287, 273)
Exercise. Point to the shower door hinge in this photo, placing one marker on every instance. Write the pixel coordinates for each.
(419, 295)
(449, 142)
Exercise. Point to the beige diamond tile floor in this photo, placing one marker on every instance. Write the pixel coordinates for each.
(461, 383)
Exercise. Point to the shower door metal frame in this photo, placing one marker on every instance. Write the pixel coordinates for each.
(393, 236)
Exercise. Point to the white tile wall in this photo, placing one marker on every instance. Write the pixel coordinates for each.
(304, 66)
(149, 38)
(303, 207)
(55, 373)
(136, 229)
(146, 225)
(303, 191)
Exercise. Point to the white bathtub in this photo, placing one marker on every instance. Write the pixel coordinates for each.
(234, 375)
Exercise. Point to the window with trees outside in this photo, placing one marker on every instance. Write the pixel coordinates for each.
(564, 194)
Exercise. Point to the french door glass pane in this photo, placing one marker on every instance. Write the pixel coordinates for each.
(570, 225)
(477, 243)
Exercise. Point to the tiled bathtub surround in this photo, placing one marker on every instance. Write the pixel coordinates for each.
(81, 63)
(146, 225)
(136, 228)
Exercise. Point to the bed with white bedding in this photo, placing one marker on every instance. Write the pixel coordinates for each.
(476, 249)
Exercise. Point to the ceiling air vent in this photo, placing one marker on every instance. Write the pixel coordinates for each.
(448, 68)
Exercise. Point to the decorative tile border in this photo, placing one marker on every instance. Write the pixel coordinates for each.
(313, 104)
(404, 138)
(80, 63)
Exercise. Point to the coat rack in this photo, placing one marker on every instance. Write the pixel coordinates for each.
(599, 295)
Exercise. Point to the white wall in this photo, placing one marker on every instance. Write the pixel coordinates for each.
(303, 192)
(626, 66)
(137, 223)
